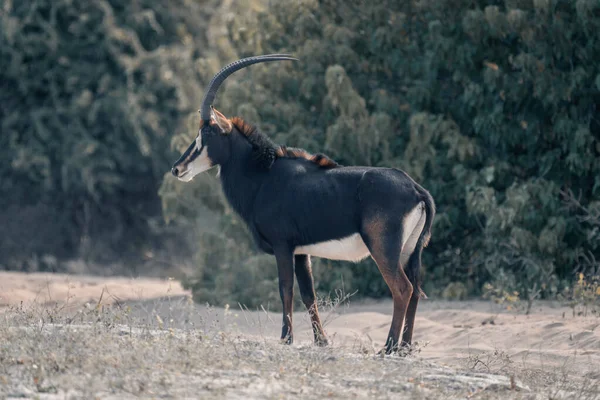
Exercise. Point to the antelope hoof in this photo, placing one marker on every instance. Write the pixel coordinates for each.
(405, 349)
(402, 350)
(287, 340)
(392, 347)
(386, 351)
(321, 341)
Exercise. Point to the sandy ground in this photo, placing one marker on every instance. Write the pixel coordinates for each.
(469, 334)
(472, 335)
(75, 290)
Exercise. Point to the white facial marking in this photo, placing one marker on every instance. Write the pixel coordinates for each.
(350, 248)
(412, 226)
(199, 165)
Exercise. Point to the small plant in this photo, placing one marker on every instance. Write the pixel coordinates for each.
(331, 304)
(584, 296)
(499, 295)
(455, 291)
(497, 361)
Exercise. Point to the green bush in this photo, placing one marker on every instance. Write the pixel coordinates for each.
(493, 106)
(91, 93)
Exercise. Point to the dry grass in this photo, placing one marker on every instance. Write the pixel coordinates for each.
(172, 348)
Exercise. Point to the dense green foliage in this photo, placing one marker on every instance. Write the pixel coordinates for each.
(494, 106)
(91, 93)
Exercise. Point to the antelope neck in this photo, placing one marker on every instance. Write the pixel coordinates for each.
(240, 179)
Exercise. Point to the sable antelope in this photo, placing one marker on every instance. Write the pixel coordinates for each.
(298, 205)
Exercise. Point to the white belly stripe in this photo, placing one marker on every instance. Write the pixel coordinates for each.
(350, 248)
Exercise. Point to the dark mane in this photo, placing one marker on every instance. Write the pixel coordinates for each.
(266, 151)
(245, 128)
(320, 159)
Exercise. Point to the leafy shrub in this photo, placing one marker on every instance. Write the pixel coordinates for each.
(583, 296)
(91, 93)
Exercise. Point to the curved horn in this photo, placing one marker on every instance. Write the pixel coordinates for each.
(229, 69)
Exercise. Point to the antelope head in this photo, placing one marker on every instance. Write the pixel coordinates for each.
(211, 147)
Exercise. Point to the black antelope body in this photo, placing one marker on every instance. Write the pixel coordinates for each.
(298, 205)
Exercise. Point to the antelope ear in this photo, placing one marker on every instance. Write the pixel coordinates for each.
(218, 119)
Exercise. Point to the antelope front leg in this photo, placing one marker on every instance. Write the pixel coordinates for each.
(285, 267)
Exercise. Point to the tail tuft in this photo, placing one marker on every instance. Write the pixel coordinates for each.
(429, 215)
(413, 268)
